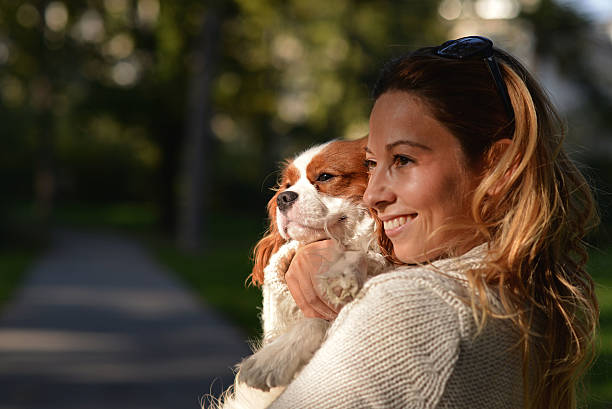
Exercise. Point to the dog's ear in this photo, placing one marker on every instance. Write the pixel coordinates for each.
(267, 246)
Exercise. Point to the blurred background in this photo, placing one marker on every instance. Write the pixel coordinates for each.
(167, 120)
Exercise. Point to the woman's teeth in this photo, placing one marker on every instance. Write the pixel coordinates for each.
(395, 223)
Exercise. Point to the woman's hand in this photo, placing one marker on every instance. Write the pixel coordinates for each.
(309, 261)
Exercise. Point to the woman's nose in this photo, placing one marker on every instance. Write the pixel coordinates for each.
(378, 193)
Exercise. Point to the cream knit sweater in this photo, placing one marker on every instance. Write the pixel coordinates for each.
(408, 341)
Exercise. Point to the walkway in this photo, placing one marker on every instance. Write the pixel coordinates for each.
(100, 325)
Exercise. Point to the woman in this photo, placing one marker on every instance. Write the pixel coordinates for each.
(483, 215)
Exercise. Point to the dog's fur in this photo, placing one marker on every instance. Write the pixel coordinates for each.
(318, 197)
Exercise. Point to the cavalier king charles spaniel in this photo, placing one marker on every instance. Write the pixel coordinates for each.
(318, 197)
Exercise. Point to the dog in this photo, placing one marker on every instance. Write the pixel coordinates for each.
(319, 196)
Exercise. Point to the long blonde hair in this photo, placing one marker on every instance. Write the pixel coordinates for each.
(532, 206)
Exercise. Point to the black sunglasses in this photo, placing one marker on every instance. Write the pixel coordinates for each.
(476, 47)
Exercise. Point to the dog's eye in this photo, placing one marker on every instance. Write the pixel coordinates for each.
(324, 177)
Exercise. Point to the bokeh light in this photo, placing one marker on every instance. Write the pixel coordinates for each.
(497, 9)
(27, 15)
(56, 16)
(90, 27)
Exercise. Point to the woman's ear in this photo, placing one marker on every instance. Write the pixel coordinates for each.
(496, 152)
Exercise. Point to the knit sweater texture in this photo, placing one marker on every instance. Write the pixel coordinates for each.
(410, 340)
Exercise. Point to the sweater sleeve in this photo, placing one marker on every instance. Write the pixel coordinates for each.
(393, 347)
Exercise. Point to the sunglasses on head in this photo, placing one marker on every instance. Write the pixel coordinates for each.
(472, 48)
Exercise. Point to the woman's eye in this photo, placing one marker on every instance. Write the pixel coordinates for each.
(402, 160)
(324, 177)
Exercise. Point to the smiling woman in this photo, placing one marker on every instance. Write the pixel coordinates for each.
(483, 215)
(419, 177)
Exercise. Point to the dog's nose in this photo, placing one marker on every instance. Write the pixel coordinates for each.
(285, 200)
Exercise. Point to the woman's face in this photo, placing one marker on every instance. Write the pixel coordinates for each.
(419, 179)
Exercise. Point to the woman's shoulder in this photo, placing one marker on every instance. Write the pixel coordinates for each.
(405, 298)
(423, 285)
(439, 286)
(445, 277)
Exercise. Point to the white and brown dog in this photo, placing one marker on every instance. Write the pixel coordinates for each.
(319, 196)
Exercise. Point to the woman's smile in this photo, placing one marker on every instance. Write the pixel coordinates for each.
(395, 225)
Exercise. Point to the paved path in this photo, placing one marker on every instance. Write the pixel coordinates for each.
(99, 325)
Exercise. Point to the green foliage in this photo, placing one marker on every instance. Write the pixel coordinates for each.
(100, 99)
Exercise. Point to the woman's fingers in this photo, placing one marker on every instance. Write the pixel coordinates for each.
(310, 261)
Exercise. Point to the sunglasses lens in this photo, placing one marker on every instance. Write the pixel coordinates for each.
(466, 47)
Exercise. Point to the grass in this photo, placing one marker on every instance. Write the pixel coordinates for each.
(13, 265)
(22, 238)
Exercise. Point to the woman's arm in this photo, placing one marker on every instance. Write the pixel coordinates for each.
(394, 347)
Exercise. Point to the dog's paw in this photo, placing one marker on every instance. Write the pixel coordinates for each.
(268, 368)
(340, 288)
(341, 283)
(277, 363)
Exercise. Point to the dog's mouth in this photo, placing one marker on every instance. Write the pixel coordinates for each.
(307, 233)
(302, 232)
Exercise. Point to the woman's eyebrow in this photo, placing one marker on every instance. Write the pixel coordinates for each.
(408, 142)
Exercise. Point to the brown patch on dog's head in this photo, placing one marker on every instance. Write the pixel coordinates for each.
(338, 170)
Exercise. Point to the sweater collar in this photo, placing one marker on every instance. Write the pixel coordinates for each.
(456, 266)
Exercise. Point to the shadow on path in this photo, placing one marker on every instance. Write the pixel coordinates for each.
(100, 325)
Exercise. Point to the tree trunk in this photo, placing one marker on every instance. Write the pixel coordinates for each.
(195, 176)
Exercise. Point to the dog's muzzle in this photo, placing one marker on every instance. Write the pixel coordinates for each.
(286, 199)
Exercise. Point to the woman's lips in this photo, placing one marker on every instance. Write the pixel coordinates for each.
(395, 225)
